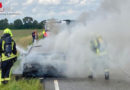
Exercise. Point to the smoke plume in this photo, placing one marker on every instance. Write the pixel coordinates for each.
(110, 20)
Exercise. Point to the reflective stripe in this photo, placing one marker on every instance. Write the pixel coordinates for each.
(95, 43)
(0, 78)
(6, 79)
(98, 51)
(3, 42)
(12, 45)
(4, 58)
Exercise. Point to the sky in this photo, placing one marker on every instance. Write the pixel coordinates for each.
(47, 9)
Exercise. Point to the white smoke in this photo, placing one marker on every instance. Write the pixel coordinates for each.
(111, 20)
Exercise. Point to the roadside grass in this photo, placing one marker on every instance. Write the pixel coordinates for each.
(23, 38)
(23, 84)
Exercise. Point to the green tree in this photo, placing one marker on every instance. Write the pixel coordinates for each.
(11, 26)
(4, 23)
(18, 24)
(35, 24)
(41, 25)
(28, 22)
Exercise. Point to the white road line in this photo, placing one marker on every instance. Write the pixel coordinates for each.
(56, 85)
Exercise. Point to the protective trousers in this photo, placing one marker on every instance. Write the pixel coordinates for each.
(98, 64)
(5, 72)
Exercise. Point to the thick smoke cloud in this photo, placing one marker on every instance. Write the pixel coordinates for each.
(111, 20)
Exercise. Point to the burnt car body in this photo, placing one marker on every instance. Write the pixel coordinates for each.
(54, 68)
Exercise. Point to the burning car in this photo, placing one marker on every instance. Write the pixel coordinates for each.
(44, 65)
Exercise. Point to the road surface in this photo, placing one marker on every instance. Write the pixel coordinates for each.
(118, 81)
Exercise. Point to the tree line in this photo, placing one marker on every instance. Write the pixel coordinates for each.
(25, 23)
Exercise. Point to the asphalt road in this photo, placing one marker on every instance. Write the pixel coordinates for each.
(118, 81)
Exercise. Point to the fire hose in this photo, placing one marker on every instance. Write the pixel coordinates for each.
(30, 49)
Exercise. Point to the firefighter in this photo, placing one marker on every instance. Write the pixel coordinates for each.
(8, 55)
(45, 33)
(98, 47)
(36, 35)
(33, 36)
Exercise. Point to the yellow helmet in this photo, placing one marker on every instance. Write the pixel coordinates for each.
(99, 38)
(7, 30)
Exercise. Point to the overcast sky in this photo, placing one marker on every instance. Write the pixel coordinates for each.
(46, 9)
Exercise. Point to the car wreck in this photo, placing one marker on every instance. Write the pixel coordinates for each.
(51, 65)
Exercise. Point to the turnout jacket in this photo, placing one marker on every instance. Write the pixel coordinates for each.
(2, 52)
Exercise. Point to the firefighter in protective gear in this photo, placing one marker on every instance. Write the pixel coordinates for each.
(33, 36)
(44, 33)
(8, 55)
(98, 47)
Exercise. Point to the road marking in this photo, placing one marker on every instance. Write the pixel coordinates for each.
(56, 85)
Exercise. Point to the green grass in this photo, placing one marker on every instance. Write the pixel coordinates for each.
(23, 38)
(23, 84)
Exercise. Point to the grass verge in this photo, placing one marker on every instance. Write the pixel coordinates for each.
(23, 84)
